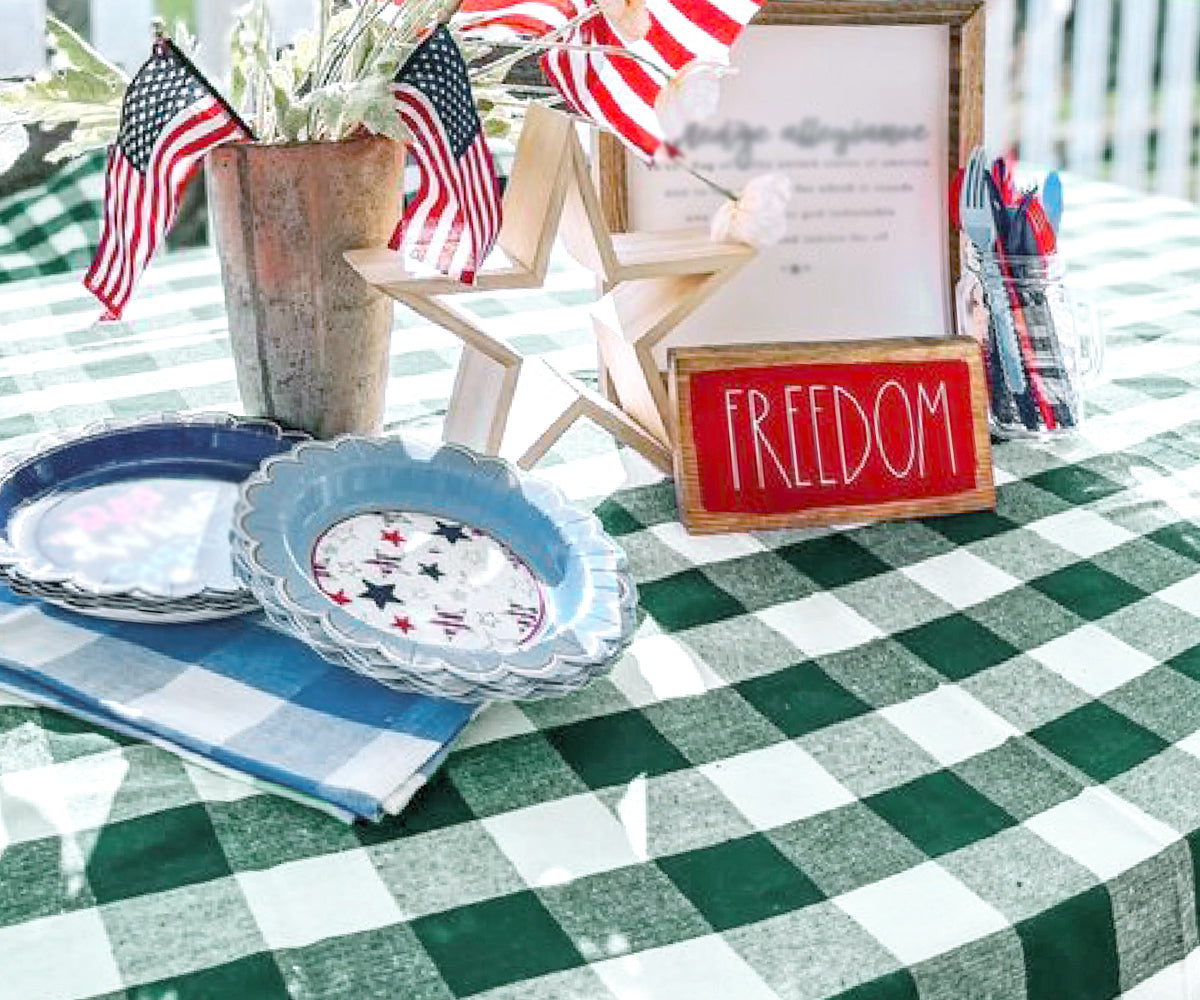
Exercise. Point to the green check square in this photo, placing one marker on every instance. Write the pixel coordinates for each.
(740, 881)
(1187, 663)
(833, 560)
(263, 831)
(846, 848)
(1022, 502)
(687, 599)
(169, 400)
(957, 646)
(898, 985)
(637, 508)
(940, 812)
(1182, 538)
(712, 726)
(1145, 565)
(758, 581)
(881, 672)
(494, 942)
(127, 364)
(1087, 590)
(23, 743)
(801, 699)
(639, 905)
(963, 529)
(1100, 742)
(615, 749)
(388, 962)
(1019, 778)
(254, 976)
(1076, 484)
(1162, 700)
(510, 774)
(37, 885)
(155, 853)
(1156, 386)
(1071, 949)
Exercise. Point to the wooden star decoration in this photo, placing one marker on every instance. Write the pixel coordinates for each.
(506, 404)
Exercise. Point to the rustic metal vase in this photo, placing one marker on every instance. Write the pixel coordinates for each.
(310, 338)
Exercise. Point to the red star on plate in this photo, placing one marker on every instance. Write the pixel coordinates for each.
(403, 624)
(394, 537)
(341, 597)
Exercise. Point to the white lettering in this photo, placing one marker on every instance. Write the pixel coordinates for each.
(838, 395)
(730, 406)
(797, 478)
(757, 416)
(925, 403)
(813, 410)
(912, 443)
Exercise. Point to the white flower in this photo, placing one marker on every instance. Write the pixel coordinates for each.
(629, 18)
(758, 217)
(691, 95)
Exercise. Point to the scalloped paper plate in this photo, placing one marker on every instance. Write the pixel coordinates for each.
(130, 520)
(433, 568)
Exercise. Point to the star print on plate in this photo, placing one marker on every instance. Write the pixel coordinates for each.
(429, 579)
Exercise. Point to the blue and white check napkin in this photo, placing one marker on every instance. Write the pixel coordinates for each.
(238, 694)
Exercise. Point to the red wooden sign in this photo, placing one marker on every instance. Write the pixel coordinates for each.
(789, 434)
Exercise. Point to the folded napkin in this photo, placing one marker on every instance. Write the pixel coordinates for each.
(237, 694)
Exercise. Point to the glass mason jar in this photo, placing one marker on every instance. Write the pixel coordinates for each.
(1042, 343)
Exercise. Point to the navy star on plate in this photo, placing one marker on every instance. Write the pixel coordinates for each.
(431, 570)
(381, 594)
(451, 532)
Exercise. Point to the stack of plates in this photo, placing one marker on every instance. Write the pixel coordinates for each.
(433, 569)
(130, 520)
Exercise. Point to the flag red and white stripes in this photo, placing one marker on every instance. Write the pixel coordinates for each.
(611, 89)
(454, 218)
(170, 118)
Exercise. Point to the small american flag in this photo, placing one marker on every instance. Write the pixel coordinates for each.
(613, 90)
(170, 118)
(454, 218)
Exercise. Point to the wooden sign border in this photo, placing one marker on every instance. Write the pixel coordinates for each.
(966, 20)
(685, 361)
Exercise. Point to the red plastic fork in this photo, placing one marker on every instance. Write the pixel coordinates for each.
(1039, 224)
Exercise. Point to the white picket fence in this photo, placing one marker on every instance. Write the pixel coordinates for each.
(1048, 89)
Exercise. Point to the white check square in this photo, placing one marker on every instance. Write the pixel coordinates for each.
(1185, 594)
(61, 799)
(498, 720)
(960, 578)
(297, 903)
(32, 638)
(688, 970)
(1093, 660)
(819, 624)
(63, 957)
(776, 785)
(202, 702)
(922, 912)
(1106, 834)
(703, 549)
(556, 842)
(657, 667)
(1083, 532)
(949, 724)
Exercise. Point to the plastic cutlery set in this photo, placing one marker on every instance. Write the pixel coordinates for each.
(1031, 347)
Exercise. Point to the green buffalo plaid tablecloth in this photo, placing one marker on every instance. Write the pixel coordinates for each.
(947, 758)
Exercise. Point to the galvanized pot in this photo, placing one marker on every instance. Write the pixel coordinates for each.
(310, 338)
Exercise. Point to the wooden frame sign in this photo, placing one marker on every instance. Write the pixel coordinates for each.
(868, 108)
(782, 435)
